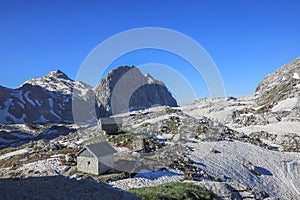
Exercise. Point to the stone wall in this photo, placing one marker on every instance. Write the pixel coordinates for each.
(106, 163)
(87, 164)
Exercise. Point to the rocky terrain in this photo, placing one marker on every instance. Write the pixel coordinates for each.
(238, 148)
(281, 88)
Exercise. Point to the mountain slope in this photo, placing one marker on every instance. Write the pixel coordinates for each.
(271, 115)
(280, 85)
(42, 100)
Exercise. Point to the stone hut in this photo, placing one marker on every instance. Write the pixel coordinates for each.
(97, 158)
(111, 125)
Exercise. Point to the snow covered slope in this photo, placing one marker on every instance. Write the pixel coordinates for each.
(279, 171)
(41, 100)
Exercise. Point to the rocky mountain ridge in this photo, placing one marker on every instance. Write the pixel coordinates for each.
(53, 97)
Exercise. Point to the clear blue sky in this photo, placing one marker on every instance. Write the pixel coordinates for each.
(246, 39)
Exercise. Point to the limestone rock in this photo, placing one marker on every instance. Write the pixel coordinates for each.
(126, 88)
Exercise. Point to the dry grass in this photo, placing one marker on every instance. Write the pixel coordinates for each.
(176, 190)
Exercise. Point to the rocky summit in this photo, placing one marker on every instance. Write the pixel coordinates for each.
(126, 88)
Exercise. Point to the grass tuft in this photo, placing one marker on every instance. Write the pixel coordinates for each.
(174, 191)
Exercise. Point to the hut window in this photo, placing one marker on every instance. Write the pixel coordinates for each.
(89, 162)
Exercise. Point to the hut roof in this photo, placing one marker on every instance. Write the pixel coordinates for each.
(99, 149)
(110, 120)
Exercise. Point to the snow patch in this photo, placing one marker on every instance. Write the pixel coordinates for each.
(259, 107)
(296, 76)
(50, 100)
(28, 99)
(37, 102)
(18, 94)
(53, 113)
(247, 114)
(13, 153)
(4, 112)
(152, 175)
(20, 104)
(280, 128)
(42, 119)
(287, 104)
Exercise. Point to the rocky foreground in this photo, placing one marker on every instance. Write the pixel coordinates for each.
(165, 144)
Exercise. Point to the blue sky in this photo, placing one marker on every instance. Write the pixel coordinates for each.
(246, 39)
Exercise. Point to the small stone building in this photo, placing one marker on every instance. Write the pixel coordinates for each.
(111, 125)
(96, 158)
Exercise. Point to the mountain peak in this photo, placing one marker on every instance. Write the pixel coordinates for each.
(119, 71)
(153, 80)
(55, 81)
(57, 74)
(129, 89)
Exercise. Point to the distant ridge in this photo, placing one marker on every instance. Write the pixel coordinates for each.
(49, 99)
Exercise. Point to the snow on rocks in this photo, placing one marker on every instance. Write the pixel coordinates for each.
(279, 128)
(47, 167)
(144, 182)
(284, 133)
(279, 171)
(230, 190)
(296, 76)
(13, 153)
(287, 104)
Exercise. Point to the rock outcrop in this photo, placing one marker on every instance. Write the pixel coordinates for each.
(281, 85)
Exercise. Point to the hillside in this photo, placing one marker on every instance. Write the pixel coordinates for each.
(236, 148)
